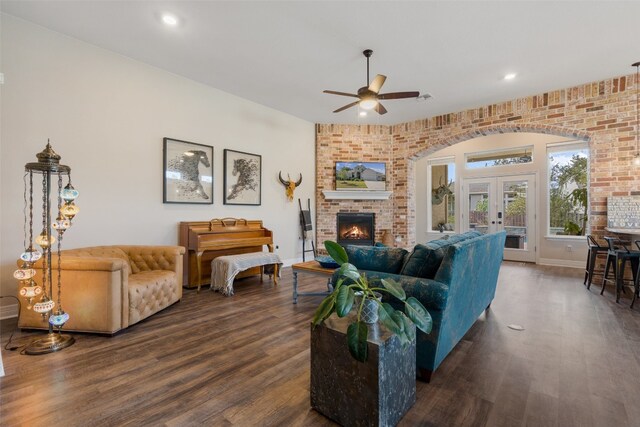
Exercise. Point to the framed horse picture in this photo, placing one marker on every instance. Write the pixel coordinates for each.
(188, 172)
(242, 178)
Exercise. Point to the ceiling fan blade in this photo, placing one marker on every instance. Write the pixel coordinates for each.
(380, 109)
(377, 83)
(346, 106)
(399, 95)
(333, 92)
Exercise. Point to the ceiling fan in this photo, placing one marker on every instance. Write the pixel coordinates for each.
(369, 96)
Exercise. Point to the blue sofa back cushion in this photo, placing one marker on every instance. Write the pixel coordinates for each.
(425, 259)
(384, 259)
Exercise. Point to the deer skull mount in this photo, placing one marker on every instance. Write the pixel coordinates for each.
(289, 186)
(438, 194)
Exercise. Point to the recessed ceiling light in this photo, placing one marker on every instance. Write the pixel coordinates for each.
(363, 113)
(169, 20)
(510, 76)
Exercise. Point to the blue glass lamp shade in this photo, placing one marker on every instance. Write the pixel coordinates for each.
(69, 193)
(69, 210)
(44, 306)
(59, 318)
(31, 255)
(61, 224)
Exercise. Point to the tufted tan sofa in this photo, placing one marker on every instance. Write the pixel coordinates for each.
(108, 288)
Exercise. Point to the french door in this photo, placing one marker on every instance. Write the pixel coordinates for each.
(503, 203)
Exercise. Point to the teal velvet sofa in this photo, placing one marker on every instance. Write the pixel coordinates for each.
(455, 279)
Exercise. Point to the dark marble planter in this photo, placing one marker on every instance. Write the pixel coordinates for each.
(376, 393)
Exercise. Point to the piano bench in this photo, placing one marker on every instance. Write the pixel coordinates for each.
(225, 268)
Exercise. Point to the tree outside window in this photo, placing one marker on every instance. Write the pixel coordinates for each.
(568, 202)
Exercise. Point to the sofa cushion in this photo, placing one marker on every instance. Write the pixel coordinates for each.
(425, 260)
(150, 292)
(384, 259)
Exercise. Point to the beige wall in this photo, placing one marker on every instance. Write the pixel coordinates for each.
(106, 115)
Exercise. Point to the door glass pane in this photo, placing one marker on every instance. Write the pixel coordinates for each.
(443, 198)
(514, 208)
(479, 207)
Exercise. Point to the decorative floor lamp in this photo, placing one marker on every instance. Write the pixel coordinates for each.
(48, 165)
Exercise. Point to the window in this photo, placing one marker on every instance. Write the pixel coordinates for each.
(568, 167)
(509, 156)
(441, 204)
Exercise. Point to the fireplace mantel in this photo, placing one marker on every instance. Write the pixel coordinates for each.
(357, 195)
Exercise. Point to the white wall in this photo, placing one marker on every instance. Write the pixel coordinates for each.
(551, 250)
(106, 115)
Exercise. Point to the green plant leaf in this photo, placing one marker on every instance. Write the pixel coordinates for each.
(336, 252)
(397, 317)
(409, 330)
(357, 340)
(349, 271)
(325, 309)
(394, 289)
(418, 314)
(344, 301)
(385, 314)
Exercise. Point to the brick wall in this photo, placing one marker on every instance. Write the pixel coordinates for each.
(350, 143)
(603, 113)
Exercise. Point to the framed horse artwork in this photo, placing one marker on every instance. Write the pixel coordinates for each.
(188, 172)
(242, 178)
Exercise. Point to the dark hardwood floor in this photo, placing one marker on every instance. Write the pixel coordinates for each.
(244, 360)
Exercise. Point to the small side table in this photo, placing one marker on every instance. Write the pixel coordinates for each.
(378, 392)
(313, 268)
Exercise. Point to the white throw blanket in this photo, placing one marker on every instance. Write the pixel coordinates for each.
(225, 268)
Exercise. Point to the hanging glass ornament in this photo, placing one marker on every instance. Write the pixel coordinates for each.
(30, 292)
(45, 241)
(69, 193)
(59, 318)
(24, 273)
(31, 255)
(61, 223)
(69, 210)
(44, 306)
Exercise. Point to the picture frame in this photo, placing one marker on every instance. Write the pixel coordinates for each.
(361, 176)
(187, 172)
(242, 178)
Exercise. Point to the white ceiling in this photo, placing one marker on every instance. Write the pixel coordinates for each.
(284, 54)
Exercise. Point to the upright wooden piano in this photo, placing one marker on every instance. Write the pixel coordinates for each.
(206, 240)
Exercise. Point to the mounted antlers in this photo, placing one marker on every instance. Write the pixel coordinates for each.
(290, 186)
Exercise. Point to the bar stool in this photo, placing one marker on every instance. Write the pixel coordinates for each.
(618, 258)
(636, 281)
(592, 255)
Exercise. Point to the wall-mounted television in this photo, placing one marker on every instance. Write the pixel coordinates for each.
(361, 176)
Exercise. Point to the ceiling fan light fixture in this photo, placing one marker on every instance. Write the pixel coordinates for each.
(368, 103)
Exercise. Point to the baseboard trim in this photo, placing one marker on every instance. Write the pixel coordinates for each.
(289, 262)
(561, 263)
(8, 311)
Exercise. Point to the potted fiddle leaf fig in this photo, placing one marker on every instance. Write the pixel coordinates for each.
(353, 288)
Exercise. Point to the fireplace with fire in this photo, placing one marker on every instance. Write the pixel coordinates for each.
(356, 229)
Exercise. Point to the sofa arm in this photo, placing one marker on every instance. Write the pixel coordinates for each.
(149, 258)
(94, 293)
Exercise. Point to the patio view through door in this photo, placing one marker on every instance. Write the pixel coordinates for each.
(503, 203)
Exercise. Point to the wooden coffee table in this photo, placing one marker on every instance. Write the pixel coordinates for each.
(314, 268)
